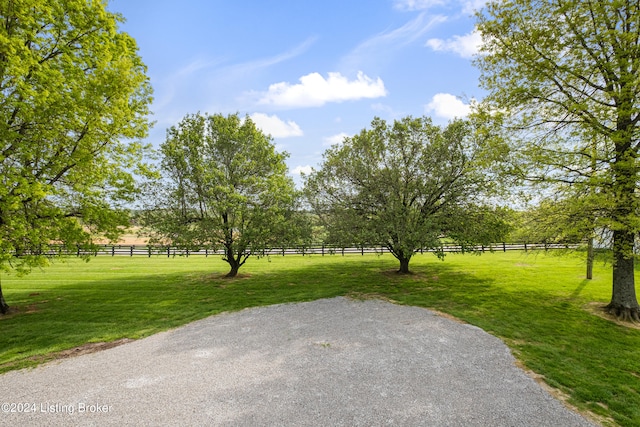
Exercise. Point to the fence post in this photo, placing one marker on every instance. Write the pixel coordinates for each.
(168, 251)
(504, 247)
(113, 250)
(362, 250)
(131, 250)
(323, 249)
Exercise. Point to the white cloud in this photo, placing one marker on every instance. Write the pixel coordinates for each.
(301, 170)
(468, 6)
(447, 106)
(335, 139)
(417, 4)
(314, 90)
(471, 6)
(275, 126)
(466, 46)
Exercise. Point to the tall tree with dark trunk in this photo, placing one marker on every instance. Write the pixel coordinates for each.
(406, 187)
(74, 99)
(224, 187)
(562, 74)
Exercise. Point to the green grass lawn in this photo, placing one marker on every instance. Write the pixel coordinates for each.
(536, 303)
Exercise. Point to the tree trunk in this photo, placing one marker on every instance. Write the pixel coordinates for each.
(234, 269)
(4, 308)
(234, 262)
(624, 304)
(590, 257)
(404, 265)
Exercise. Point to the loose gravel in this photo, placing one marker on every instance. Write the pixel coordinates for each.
(331, 362)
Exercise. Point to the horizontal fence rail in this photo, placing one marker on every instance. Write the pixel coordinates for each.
(170, 251)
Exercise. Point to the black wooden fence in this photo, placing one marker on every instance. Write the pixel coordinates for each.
(319, 249)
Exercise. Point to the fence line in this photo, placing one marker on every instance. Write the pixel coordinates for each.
(170, 251)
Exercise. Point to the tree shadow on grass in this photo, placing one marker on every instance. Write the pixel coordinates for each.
(576, 293)
(551, 334)
(118, 306)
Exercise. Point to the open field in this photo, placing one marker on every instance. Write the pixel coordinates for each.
(538, 304)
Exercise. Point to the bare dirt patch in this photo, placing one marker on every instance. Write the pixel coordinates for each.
(598, 309)
(223, 276)
(87, 348)
(22, 309)
(91, 347)
(395, 273)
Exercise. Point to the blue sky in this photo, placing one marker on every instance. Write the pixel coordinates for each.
(307, 72)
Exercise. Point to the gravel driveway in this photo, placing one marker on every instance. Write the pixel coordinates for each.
(332, 362)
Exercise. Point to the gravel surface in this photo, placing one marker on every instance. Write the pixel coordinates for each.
(332, 362)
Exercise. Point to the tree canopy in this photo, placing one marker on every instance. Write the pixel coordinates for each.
(74, 102)
(406, 186)
(224, 187)
(563, 76)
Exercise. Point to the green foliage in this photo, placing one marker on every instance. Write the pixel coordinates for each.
(563, 78)
(224, 187)
(553, 221)
(536, 303)
(73, 100)
(406, 186)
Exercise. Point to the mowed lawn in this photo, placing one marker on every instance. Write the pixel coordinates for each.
(537, 303)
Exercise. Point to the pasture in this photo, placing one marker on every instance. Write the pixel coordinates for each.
(538, 303)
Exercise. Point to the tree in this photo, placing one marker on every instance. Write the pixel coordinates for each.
(563, 218)
(572, 208)
(406, 187)
(73, 100)
(224, 187)
(564, 77)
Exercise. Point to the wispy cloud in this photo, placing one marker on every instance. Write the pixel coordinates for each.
(381, 46)
(171, 86)
(253, 66)
(275, 126)
(417, 4)
(466, 6)
(195, 85)
(466, 46)
(405, 34)
(472, 6)
(314, 90)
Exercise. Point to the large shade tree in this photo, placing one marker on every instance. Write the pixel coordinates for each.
(224, 187)
(74, 100)
(564, 76)
(406, 186)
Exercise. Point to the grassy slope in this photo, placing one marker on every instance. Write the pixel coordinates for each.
(535, 303)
